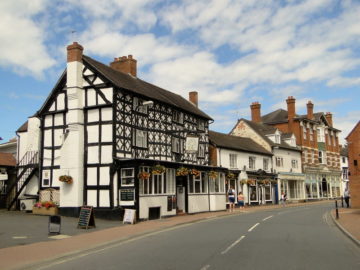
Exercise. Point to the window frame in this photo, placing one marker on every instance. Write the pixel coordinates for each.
(233, 161)
(252, 161)
(137, 131)
(127, 177)
(178, 117)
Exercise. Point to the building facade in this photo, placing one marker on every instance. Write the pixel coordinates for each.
(108, 139)
(286, 159)
(344, 164)
(353, 140)
(250, 167)
(319, 142)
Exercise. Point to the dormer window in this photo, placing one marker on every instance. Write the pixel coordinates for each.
(277, 138)
(178, 117)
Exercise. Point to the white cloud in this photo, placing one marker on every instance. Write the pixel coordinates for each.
(22, 45)
(346, 123)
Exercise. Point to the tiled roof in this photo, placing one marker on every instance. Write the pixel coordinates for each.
(23, 128)
(264, 129)
(278, 116)
(143, 88)
(7, 159)
(236, 143)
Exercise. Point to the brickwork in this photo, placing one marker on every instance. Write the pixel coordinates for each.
(125, 64)
(193, 98)
(353, 140)
(74, 52)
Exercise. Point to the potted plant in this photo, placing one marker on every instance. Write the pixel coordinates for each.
(182, 171)
(195, 172)
(66, 179)
(213, 174)
(158, 169)
(230, 176)
(47, 208)
(144, 175)
(243, 182)
(251, 182)
(267, 182)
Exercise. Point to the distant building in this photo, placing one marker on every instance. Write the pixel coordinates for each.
(286, 159)
(319, 142)
(353, 140)
(250, 166)
(344, 164)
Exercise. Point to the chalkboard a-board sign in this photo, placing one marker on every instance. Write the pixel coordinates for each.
(86, 217)
(127, 194)
(129, 216)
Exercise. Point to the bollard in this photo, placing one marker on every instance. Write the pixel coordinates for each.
(336, 210)
(342, 201)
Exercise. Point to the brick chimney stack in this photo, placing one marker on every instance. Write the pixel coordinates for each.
(74, 52)
(291, 111)
(328, 116)
(125, 65)
(255, 112)
(193, 98)
(310, 110)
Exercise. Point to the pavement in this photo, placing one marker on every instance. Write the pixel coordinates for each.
(76, 241)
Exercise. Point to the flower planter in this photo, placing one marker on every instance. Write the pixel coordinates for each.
(45, 211)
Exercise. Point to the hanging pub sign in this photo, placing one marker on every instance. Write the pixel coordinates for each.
(191, 144)
(86, 217)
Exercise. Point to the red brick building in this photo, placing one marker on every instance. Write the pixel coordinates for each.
(353, 140)
(319, 142)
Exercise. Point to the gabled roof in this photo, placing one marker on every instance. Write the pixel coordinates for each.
(353, 130)
(138, 86)
(236, 143)
(278, 116)
(23, 127)
(7, 159)
(263, 130)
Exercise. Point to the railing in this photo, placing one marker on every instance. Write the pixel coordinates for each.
(25, 168)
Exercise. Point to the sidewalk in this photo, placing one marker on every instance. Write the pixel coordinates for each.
(348, 222)
(21, 256)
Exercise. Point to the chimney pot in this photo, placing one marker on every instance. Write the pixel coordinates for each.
(291, 111)
(74, 52)
(193, 98)
(328, 117)
(125, 65)
(255, 112)
(310, 110)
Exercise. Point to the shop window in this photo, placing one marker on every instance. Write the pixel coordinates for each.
(217, 185)
(198, 184)
(158, 184)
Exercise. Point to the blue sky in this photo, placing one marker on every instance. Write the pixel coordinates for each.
(231, 52)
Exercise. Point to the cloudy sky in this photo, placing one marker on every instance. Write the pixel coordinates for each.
(232, 52)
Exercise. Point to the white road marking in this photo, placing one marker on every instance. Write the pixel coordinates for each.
(19, 237)
(253, 227)
(267, 218)
(232, 245)
(205, 267)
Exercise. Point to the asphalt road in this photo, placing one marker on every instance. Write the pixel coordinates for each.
(20, 228)
(288, 238)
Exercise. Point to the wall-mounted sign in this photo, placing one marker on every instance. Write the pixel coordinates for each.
(127, 194)
(191, 144)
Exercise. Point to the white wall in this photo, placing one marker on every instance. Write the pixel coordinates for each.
(198, 203)
(217, 202)
(242, 159)
(154, 201)
(288, 156)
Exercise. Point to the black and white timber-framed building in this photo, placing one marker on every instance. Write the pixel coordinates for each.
(97, 127)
